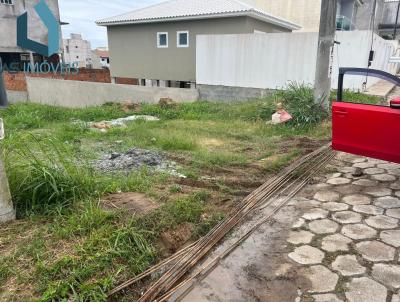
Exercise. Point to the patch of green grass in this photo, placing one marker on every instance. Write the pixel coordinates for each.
(357, 97)
(282, 161)
(220, 159)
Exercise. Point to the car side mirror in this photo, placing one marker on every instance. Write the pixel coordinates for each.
(395, 104)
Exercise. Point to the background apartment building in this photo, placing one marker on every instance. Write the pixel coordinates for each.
(79, 52)
(9, 12)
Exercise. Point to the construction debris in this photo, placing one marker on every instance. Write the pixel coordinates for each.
(121, 122)
(128, 106)
(167, 103)
(280, 116)
(136, 159)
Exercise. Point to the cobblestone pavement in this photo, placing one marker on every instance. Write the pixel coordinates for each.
(347, 242)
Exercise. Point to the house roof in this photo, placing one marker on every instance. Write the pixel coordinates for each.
(180, 10)
(102, 53)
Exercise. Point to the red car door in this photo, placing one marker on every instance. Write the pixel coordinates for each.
(367, 130)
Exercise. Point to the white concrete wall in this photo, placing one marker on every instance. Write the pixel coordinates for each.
(270, 61)
(77, 94)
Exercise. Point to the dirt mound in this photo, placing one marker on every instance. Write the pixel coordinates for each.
(130, 202)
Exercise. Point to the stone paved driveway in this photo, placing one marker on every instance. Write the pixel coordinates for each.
(347, 242)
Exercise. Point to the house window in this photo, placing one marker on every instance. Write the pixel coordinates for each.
(67, 49)
(9, 2)
(162, 40)
(182, 38)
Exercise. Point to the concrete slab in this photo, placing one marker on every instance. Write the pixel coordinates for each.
(348, 266)
(365, 289)
(375, 251)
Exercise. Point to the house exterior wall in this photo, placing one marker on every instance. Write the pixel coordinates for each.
(8, 23)
(134, 53)
(303, 12)
(307, 12)
(363, 19)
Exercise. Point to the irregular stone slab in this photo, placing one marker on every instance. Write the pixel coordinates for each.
(349, 189)
(391, 237)
(358, 231)
(338, 181)
(335, 243)
(348, 169)
(378, 191)
(397, 193)
(327, 196)
(365, 289)
(368, 209)
(315, 214)
(307, 255)
(366, 183)
(372, 171)
(324, 226)
(334, 175)
(388, 274)
(322, 279)
(307, 204)
(300, 237)
(389, 166)
(375, 251)
(393, 213)
(347, 217)
(396, 298)
(299, 223)
(384, 177)
(359, 160)
(387, 202)
(382, 222)
(364, 165)
(335, 206)
(395, 185)
(376, 161)
(348, 266)
(394, 172)
(326, 298)
(357, 199)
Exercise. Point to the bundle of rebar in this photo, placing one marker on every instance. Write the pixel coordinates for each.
(274, 194)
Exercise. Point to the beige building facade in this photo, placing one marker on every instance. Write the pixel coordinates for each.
(306, 13)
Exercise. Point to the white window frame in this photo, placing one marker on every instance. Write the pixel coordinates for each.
(158, 40)
(178, 40)
(7, 2)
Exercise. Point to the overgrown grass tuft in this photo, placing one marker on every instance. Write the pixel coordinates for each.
(298, 100)
(43, 174)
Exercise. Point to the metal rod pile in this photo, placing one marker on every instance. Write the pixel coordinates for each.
(287, 184)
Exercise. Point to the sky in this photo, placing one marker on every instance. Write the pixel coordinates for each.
(82, 16)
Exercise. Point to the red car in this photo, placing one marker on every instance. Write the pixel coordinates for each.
(367, 130)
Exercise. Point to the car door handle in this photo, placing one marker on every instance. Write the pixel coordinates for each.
(340, 112)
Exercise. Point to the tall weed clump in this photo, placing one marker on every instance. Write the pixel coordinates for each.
(43, 174)
(298, 100)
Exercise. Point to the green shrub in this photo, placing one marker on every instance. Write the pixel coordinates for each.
(298, 100)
